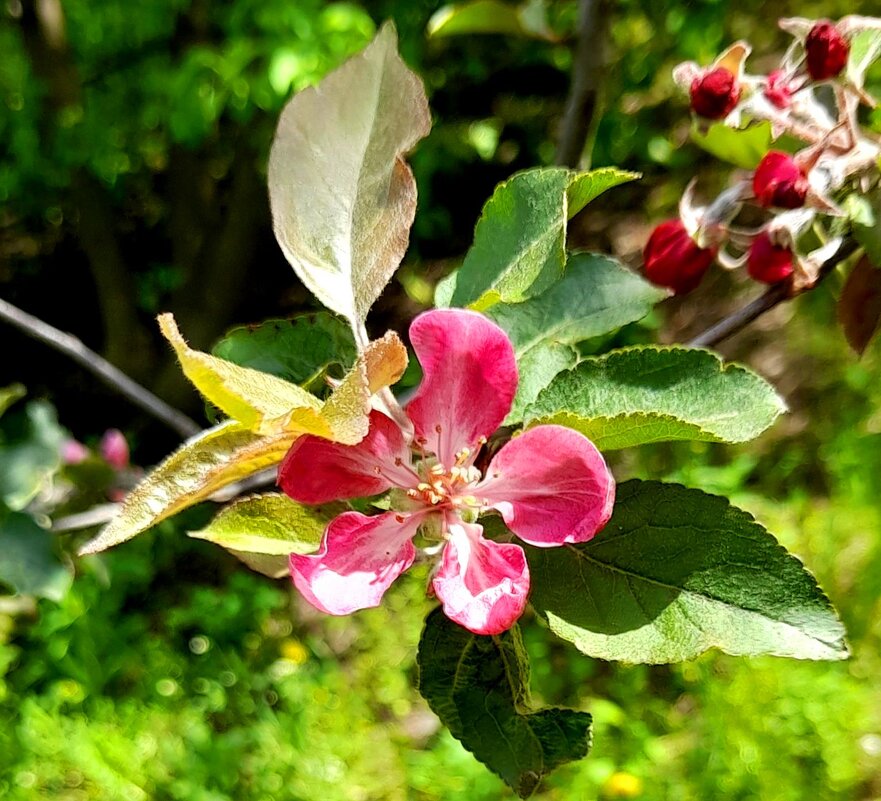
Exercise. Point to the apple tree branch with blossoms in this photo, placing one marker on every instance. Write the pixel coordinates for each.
(491, 473)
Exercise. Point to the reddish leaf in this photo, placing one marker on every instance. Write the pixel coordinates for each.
(859, 307)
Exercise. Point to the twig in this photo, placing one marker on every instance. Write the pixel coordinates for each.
(105, 512)
(587, 64)
(110, 375)
(738, 320)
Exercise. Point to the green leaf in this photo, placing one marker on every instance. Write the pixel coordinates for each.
(519, 245)
(537, 367)
(491, 16)
(30, 448)
(479, 688)
(342, 196)
(649, 394)
(865, 222)
(9, 395)
(270, 524)
(27, 560)
(595, 296)
(298, 350)
(865, 47)
(743, 147)
(584, 187)
(675, 572)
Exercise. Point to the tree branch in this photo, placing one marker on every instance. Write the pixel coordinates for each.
(110, 375)
(587, 67)
(738, 320)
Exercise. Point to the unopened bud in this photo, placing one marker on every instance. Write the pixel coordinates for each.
(778, 181)
(672, 258)
(73, 452)
(114, 449)
(827, 51)
(714, 93)
(778, 90)
(767, 262)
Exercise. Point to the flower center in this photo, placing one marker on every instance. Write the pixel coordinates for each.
(447, 487)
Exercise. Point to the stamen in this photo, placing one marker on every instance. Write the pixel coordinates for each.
(437, 429)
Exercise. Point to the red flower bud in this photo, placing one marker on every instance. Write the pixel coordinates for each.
(714, 93)
(778, 181)
(827, 51)
(672, 259)
(777, 90)
(768, 262)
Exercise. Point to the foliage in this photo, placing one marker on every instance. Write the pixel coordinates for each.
(192, 682)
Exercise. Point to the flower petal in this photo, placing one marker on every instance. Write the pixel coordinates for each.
(359, 558)
(483, 584)
(470, 379)
(551, 486)
(317, 470)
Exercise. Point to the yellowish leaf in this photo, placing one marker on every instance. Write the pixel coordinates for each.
(270, 524)
(204, 464)
(259, 401)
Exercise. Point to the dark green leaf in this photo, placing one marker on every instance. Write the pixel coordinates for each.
(299, 350)
(27, 561)
(479, 687)
(646, 394)
(675, 572)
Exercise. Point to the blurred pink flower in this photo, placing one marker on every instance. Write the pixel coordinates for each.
(550, 485)
(114, 449)
(73, 452)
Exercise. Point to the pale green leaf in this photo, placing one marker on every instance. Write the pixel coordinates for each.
(865, 47)
(647, 394)
(491, 16)
(479, 687)
(30, 453)
(675, 572)
(342, 196)
(27, 560)
(864, 214)
(270, 524)
(743, 147)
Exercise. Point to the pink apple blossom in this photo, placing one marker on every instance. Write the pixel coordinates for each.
(550, 485)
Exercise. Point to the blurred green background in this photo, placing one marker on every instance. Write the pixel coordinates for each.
(133, 140)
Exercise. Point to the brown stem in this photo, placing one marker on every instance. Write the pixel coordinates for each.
(110, 375)
(740, 319)
(587, 68)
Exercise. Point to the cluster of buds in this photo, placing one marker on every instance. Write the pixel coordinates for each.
(811, 99)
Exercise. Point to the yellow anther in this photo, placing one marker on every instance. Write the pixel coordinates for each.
(412, 493)
(423, 487)
(462, 456)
